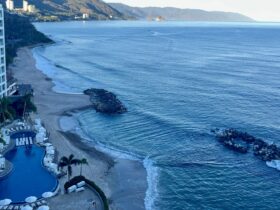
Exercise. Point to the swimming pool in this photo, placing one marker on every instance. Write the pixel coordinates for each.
(29, 177)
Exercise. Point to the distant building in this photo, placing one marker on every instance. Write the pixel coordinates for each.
(10, 5)
(3, 76)
(85, 16)
(31, 8)
(25, 6)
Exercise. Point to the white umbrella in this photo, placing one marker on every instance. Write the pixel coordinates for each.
(26, 208)
(5, 202)
(43, 208)
(31, 199)
(50, 152)
(47, 194)
(40, 137)
(50, 148)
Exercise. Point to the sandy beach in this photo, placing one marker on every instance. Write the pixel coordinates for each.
(123, 181)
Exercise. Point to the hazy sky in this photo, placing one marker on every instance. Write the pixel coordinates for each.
(264, 10)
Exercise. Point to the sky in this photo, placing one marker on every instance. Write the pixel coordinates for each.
(262, 10)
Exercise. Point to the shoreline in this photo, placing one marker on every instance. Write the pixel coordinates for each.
(116, 176)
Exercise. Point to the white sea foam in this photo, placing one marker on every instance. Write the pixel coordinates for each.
(274, 164)
(50, 69)
(152, 179)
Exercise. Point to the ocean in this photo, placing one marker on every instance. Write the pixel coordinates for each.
(178, 80)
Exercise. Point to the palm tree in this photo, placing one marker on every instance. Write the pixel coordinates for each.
(2, 140)
(28, 104)
(82, 162)
(68, 162)
(6, 111)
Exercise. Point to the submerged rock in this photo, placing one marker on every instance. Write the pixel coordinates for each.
(241, 142)
(105, 102)
(234, 139)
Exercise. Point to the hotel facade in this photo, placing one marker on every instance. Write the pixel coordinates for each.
(3, 77)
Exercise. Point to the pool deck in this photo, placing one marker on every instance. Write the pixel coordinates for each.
(7, 170)
(8, 164)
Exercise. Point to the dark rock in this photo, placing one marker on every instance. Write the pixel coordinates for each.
(233, 139)
(265, 151)
(105, 102)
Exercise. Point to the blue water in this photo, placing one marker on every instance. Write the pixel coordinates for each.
(28, 177)
(178, 80)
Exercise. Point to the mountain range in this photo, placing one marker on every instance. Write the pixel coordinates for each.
(69, 9)
(99, 10)
(170, 13)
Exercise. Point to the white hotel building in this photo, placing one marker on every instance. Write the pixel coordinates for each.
(3, 78)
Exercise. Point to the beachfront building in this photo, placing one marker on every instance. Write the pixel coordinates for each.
(3, 77)
(25, 6)
(10, 5)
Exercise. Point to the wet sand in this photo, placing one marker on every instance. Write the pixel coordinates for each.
(123, 181)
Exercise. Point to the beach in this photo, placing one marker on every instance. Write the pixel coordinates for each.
(123, 181)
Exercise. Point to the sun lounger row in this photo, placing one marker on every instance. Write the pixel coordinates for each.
(24, 141)
(34, 205)
(18, 128)
(74, 188)
(77, 188)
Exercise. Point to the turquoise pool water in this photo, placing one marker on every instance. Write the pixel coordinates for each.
(29, 177)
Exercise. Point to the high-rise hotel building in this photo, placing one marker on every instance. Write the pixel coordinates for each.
(3, 77)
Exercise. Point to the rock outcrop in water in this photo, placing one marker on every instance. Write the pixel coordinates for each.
(105, 102)
(241, 142)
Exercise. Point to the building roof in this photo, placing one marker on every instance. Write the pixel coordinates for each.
(24, 89)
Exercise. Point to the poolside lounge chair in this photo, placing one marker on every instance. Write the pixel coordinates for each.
(80, 189)
(43, 202)
(81, 184)
(71, 188)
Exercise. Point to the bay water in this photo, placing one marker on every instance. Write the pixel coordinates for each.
(178, 80)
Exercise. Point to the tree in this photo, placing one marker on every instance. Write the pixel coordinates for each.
(28, 104)
(6, 110)
(2, 141)
(82, 162)
(68, 162)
